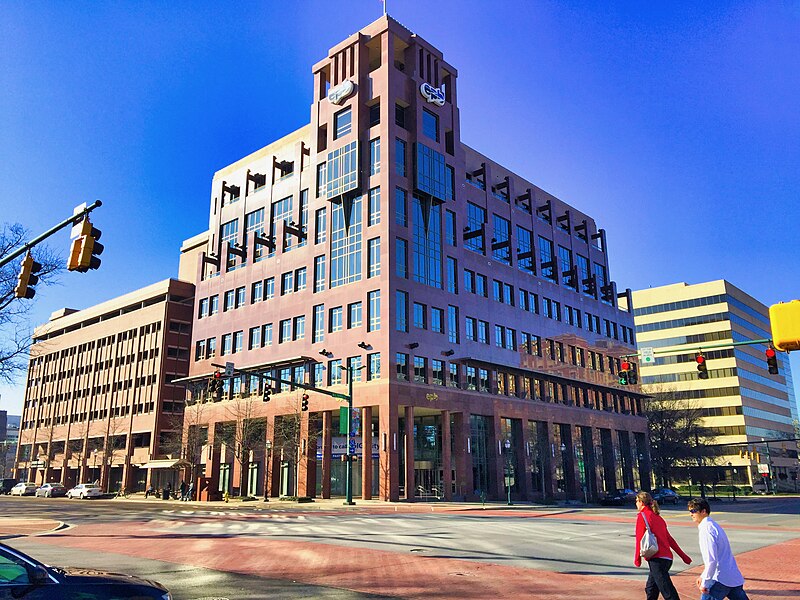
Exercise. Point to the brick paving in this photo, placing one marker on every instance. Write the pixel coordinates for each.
(13, 527)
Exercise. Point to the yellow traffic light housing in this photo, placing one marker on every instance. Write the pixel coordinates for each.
(85, 250)
(785, 320)
(28, 277)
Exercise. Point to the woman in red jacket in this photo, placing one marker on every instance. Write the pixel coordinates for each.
(660, 563)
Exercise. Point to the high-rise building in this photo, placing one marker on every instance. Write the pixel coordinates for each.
(100, 402)
(742, 403)
(9, 436)
(474, 311)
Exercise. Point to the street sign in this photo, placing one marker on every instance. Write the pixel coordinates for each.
(229, 369)
(646, 356)
(763, 468)
(77, 227)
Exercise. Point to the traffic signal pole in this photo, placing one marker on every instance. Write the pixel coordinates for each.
(73, 220)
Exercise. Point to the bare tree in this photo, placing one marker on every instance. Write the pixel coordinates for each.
(15, 330)
(678, 438)
(242, 433)
(288, 436)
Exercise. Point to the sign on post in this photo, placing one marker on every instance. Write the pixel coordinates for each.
(229, 369)
(647, 356)
(763, 468)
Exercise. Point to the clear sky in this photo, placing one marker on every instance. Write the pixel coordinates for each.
(675, 126)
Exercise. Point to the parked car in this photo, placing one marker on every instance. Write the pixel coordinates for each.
(620, 497)
(665, 496)
(7, 484)
(23, 488)
(24, 577)
(51, 490)
(85, 490)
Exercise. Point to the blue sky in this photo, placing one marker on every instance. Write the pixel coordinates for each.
(675, 126)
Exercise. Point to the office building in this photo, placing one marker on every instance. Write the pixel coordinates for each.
(100, 402)
(743, 405)
(473, 310)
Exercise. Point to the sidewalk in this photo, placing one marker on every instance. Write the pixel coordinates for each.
(15, 527)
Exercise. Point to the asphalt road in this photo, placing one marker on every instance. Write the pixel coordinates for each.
(588, 541)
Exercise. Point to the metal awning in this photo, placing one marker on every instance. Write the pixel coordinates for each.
(170, 463)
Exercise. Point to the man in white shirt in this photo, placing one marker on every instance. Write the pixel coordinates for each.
(721, 577)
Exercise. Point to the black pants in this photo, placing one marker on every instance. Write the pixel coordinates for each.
(659, 580)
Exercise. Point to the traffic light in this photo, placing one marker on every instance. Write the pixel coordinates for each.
(624, 372)
(702, 367)
(215, 385)
(633, 376)
(784, 320)
(304, 403)
(86, 249)
(772, 361)
(267, 392)
(28, 277)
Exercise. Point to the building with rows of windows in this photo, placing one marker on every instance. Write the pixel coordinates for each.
(742, 404)
(473, 310)
(100, 402)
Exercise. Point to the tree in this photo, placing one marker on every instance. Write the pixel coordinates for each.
(15, 338)
(677, 435)
(288, 436)
(186, 433)
(242, 432)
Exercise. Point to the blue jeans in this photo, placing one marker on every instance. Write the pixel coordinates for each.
(719, 591)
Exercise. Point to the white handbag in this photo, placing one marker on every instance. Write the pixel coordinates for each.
(649, 545)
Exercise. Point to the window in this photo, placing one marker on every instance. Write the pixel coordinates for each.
(335, 372)
(346, 243)
(565, 264)
(454, 379)
(303, 216)
(483, 332)
(476, 217)
(525, 260)
(287, 283)
(211, 345)
(374, 310)
(285, 331)
(342, 171)
(300, 279)
(472, 380)
(402, 366)
(299, 328)
(401, 258)
(203, 309)
(481, 287)
(452, 324)
(227, 342)
(254, 225)
(375, 114)
(354, 315)
(373, 257)
(402, 311)
(583, 274)
(420, 321)
(267, 335)
(469, 281)
(320, 225)
(400, 207)
(335, 319)
(437, 320)
(501, 246)
(200, 350)
(430, 125)
(240, 296)
(257, 292)
(254, 339)
(238, 341)
(450, 227)
(373, 366)
(375, 156)
(470, 329)
(374, 206)
(437, 372)
(547, 259)
(342, 123)
(319, 374)
(420, 369)
(508, 294)
(228, 233)
(427, 247)
(400, 115)
(497, 290)
(318, 323)
(430, 172)
(229, 300)
(269, 288)
(321, 179)
(282, 213)
(319, 273)
(400, 157)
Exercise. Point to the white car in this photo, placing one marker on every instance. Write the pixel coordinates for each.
(23, 489)
(85, 490)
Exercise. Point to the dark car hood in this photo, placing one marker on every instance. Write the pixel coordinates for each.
(92, 576)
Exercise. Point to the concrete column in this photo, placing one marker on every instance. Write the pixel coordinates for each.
(463, 457)
(389, 456)
(496, 459)
(447, 469)
(269, 458)
(366, 453)
(327, 452)
(307, 466)
(409, 451)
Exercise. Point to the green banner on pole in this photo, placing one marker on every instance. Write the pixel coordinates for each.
(342, 420)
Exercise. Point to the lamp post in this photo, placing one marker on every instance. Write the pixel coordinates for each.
(733, 483)
(267, 468)
(349, 479)
(507, 445)
(94, 464)
(564, 468)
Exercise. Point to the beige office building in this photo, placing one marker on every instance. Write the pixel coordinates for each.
(100, 403)
(742, 403)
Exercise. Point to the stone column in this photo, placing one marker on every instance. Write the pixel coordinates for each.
(389, 457)
(409, 448)
(463, 457)
(447, 469)
(366, 453)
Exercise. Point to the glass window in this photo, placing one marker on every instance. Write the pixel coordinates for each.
(420, 321)
(335, 372)
(282, 213)
(427, 242)
(469, 329)
(228, 304)
(320, 225)
(257, 292)
(525, 260)
(269, 288)
(374, 310)
(454, 379)
(335, 319)
(267, 334)
(374, 206)
(227, 235)
(373, 257)
(203, 309)
(342, 171)
(501, 246)
(287, 283)
(211, 344)
(547, 259)
(402, 311)
(254, 225)
(374, 366)
(476, 217)
(342, 123)
(240, 296)
(300, 279)
(238, 341)
(400, 115)
(375, 114)
(431, 174)
(565, 263)
(437, 320)
(401, 258)
(318, 323)
(481, 288)
(375, 156)
(354, 315)
(450, 227)
(452, 275)
(321, 179)
(227, 342)
(299, 327)
(420, 369)
(319, 273)
(285, 331)
(430, 125)
(402, 366)
(400, 157)
(346, 243)
(437, 372)
(452, 324)
(400, 207)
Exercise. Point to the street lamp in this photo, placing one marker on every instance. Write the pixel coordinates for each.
(349, 480)
(267, 467)
(733, 484)
(564, 467)
(94, 464)
(507, 445)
